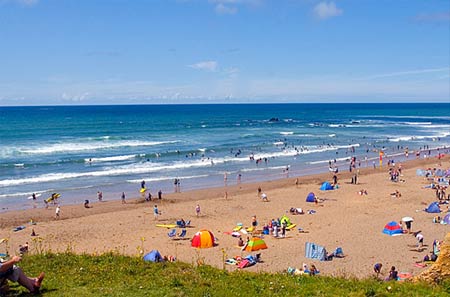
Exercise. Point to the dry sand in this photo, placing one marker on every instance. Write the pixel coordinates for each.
(345, 220)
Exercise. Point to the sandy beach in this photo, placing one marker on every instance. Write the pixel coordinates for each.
(345, 219)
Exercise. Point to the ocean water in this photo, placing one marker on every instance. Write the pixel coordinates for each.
(79, 150)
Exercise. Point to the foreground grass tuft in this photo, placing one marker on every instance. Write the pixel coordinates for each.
(116, 275)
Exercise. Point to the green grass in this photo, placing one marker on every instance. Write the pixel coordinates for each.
(116, 275)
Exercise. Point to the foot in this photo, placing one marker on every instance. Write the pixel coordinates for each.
(38, 282)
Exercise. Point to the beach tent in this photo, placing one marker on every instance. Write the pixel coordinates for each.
(446, 220)
(311, 197)
(326, 186)
(153, 256)
(315, 251)
(203, 239)
(433, 208)
(255, 244)
(393, 228)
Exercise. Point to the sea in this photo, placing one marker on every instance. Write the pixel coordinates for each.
(79, 150)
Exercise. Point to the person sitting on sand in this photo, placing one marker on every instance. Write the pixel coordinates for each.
(296, 211)
(240, 241)
(362, 192)
(393, 274)
(313, 270)
(86, 204)
(9, 270)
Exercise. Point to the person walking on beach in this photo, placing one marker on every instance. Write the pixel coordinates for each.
(100, 196)
(155, 211)
(159, 194)
(57, 212)
(143, 184)
(123, 198)
(197, 210)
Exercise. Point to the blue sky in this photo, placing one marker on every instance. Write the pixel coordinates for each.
(215, 51)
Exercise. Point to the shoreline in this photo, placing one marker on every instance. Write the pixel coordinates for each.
(345, 219)
(107, 206)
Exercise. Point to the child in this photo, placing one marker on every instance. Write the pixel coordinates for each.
(156, 211)
(197, 210)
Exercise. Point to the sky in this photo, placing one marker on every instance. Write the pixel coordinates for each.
(72, 52)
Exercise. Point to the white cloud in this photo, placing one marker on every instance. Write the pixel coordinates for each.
(403, 73)
(205, 65)
(325, 10)
(223, 9)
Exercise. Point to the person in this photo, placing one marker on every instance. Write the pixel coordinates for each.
(377, 268)
(9, 270)
(264, 197)
(240, 241)
(100, 196)
(149, 197)
(86, 204)
(283, 229)
(254, 222)
(297, 182)
(33, 196)
(155, 211)
(259, 191)
(197, 210)
(408, 226)
(23, 249)
(419, 238)
(143, 184)
(313, 270)
(159, 194)
(33, 233)
(393, 274)
(123, 198)
(57, 212)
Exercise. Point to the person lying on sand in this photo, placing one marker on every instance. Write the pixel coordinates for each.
(296, 211)
(396, 194)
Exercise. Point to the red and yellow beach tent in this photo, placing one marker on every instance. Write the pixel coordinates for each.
(255, 244)
(203, 239)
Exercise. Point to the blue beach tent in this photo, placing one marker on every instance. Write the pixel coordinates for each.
(392, 229)
(326, 186)
(153, 256)
(311, 197)
(433, 208)
(315, 251)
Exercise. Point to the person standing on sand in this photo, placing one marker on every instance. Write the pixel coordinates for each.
(123, 198)
(100, 196)
(159, 194)
(57, 212)
(259, 191)
(155, 211)
(197, 210)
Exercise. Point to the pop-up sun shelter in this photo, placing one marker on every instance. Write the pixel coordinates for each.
(393, 228)
(153, 256)
(315, 251)
(311, 197)
(255, 244)
(446, 220)
(433, 208)
(203, 239)
(326, 186)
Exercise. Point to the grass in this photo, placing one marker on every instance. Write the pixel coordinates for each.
(115, 275)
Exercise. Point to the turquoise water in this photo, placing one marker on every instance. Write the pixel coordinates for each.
(79, 150)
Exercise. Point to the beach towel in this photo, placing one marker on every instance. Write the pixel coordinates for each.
(19, 228)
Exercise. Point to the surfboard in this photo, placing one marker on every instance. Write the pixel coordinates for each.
(166, 225)
(142, 190)
(291, 226)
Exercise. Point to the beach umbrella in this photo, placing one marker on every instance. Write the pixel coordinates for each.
(255, 244)
(203, 239)
(407, 219)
